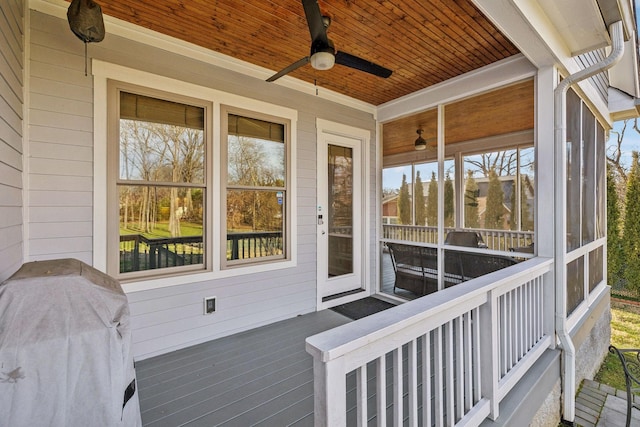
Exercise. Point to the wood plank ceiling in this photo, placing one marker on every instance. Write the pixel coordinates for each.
(498, 112)
(423, 42)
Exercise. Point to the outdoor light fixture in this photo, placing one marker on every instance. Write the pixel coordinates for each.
(421, 143)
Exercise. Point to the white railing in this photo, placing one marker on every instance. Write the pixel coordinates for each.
(499, 240)
(448, 358)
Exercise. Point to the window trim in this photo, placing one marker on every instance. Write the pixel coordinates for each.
(104, 71)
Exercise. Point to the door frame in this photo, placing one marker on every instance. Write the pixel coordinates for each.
(324, 128)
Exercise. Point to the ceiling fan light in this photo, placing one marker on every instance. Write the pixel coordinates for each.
(420, 143)
(323, 60)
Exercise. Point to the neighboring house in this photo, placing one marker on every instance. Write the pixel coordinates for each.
(266, 169)
(390, 209)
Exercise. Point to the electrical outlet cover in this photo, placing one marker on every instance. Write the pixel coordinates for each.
(209, 305)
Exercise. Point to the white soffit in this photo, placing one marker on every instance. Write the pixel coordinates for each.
(622, 106)
(624, 75)
(579, 22)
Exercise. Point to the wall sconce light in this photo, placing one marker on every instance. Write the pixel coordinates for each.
(421, 143)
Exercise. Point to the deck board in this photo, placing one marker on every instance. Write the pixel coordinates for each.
(260, 377)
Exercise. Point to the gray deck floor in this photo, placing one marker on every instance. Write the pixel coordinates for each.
(260, 377)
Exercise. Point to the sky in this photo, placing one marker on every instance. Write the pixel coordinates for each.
(631, 141)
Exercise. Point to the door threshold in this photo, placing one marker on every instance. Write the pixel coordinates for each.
(342, 294)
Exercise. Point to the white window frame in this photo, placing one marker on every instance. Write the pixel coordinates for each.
(114, 180)
(224, 188)
(102, 73)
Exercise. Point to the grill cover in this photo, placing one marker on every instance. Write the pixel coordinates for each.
(65, 348)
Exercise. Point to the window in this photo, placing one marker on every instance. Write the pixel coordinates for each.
(256, 188)
(586, 187)
(160, 181)
(499, 190)
(158, 190)
(585, 175)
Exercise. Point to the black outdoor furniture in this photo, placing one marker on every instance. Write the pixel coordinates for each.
(630, 360)
(470, 239)
(416, 267)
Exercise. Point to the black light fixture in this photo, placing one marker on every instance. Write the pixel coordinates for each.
(421, 143)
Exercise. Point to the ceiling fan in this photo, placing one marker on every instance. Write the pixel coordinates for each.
(323, 55)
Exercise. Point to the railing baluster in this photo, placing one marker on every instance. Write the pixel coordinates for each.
(361, 399)
(397, 387)
(477, 353)
(381, 391)
(468, 352)
(426, 379)
(449, 378)
(412, 382)
(438, 386)
(459, 378)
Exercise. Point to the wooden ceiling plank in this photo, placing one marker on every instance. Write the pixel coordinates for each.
(423, 44)
(386, 26)
(446, 22)
(427, 44)
(501, 111)
(465, 32)
(385, 33)
(497, 39)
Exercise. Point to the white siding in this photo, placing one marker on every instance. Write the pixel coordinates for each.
(600, 81)
(61, 173)
(11, 103)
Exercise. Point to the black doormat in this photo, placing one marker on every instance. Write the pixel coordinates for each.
(362, 308)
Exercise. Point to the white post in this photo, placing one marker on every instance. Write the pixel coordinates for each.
(489, 353)
(330, 388)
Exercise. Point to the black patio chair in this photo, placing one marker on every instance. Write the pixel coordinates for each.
(630, 360)
(469, 239)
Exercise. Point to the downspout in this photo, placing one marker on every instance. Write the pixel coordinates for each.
(560, 140)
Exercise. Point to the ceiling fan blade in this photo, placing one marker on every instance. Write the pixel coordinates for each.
(351, 61)
(315, 22)
(289, 69)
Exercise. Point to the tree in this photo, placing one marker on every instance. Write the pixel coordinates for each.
(614, 156)
(526, 193)
(631, 241)
(449, 219)
(260, 164)
(503, 163)
(421, 213)
(494, 211)
(404, 204)
(471, 218)
(432, 202)
(615, 255)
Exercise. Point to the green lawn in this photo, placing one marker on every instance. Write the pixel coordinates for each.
(625, 333)
(162, 230)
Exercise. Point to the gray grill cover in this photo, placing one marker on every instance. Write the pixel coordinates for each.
(65, 348)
